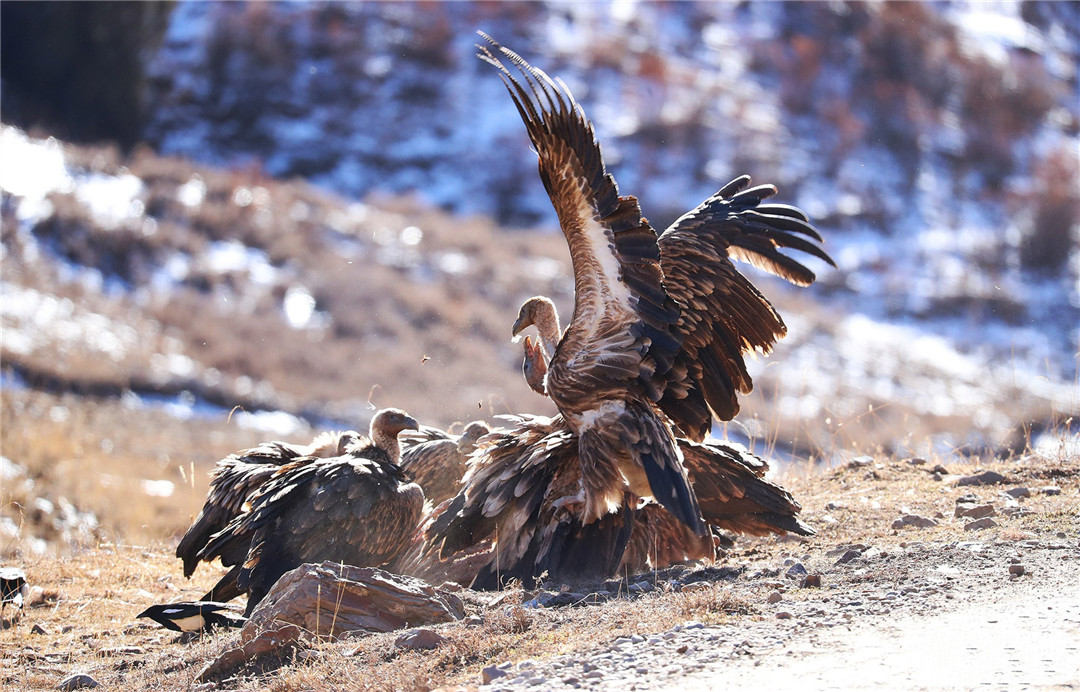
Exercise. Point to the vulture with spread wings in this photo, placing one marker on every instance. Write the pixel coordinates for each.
(660, 324)
(518, 514)
(356, 507)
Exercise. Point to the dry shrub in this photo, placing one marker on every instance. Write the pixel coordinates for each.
(1055, 211)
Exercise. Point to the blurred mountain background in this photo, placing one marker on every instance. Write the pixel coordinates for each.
(269, 217)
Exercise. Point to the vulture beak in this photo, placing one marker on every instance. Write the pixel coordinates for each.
(520, 324)
(410, 423)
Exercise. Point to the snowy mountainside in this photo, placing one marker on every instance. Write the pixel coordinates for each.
(934, 144)
(195, 290)
(306, 231)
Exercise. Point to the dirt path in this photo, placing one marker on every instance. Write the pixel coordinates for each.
(911, 616)
(1028, 641)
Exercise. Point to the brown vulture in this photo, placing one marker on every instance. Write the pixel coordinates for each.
(436, 459)
(238, 476)
(357, 507)
(521, 505)
(519, 512)
(660, 324)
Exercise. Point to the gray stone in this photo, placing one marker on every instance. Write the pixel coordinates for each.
(796, 571)
(861, 461)
(696, 586)
(38, 629)
(975, 511)
(78, 681)
(984, 523)
(774, 597)
(849, 555)
(984, 478)
(784, 615)
(1050, 490)
(474, 621)
(1018, 492)
(915, 520)
(1016, 570)
(420, 639)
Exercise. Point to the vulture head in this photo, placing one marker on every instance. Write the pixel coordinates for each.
(385, 427)
(534, 367)
(472, 432)
(540, 312)
(332, 444)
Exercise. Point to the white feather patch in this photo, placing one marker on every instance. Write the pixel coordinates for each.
(602, 247)
(611, 408)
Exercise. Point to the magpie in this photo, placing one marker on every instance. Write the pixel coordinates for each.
(193, 616)
(13, 587)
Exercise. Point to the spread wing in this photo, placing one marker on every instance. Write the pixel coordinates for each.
(615, 358)
(723, 316)
(734, 495)
(620, 335)
(352, 509)
(235, 479)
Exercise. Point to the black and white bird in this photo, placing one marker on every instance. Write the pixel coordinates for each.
(194, 616)
(13, 588)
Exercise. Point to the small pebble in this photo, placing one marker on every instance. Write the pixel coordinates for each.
(975, 511)
(38, 629)
(1016, 570)
(1018, 492)
(984, 478)
(78, 681)
(984, 523)
(1050, 490)
(812, 581)
(419, 639)
(774, 597)
(783, 615)
(474, 621)
(914, 520)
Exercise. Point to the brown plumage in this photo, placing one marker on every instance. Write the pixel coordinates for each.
(521, 502)
(436, 459)
(238, 476)
(358, 508)
(638, 353)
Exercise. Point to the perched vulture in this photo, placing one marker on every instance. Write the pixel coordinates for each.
(660, 325)
(238, 476)
(358, 508)
(436, 459)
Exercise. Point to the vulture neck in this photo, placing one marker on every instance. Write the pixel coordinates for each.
(546, 320)
(387, 442)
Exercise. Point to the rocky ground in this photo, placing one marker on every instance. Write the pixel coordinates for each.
(1000, 606)
(957, 614)
(922, 576)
